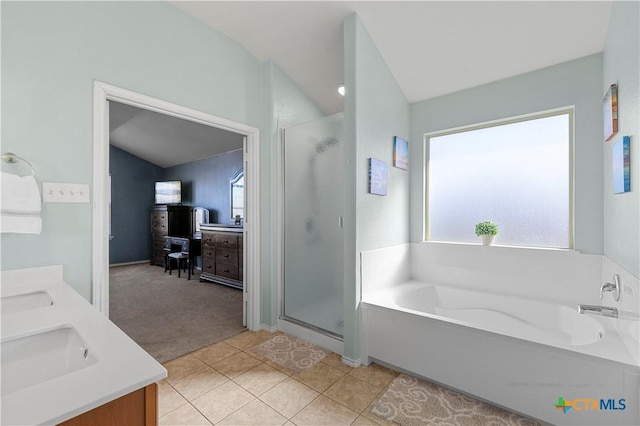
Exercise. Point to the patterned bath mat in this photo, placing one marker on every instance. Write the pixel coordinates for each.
(409, 401)
(290, 352)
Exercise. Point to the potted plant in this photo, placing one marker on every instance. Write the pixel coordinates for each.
(487, 231)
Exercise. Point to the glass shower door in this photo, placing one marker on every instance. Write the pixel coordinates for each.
(313, 238)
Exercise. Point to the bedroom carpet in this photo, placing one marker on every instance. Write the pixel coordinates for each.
(170, 316)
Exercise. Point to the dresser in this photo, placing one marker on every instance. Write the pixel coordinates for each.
(174, 221)
(222, 255)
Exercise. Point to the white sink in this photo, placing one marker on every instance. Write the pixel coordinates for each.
(25, 301)
(36, 358)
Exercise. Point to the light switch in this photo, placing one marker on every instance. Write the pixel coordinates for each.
(53, 192)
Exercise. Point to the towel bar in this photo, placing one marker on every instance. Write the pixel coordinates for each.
(10, 157)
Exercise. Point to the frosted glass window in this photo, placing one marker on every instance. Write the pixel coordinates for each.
(517, 175)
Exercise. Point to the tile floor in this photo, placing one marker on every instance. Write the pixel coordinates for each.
(222, 384)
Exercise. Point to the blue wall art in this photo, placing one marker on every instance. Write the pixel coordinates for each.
(377, 177)
(621, 155)
(400, 153)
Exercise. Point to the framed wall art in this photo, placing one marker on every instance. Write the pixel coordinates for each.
(610, 112)
(621, 155)
(400, 153)
(377, 177)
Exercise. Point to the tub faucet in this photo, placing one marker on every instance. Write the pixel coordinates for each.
(605, 311)
(614, 288)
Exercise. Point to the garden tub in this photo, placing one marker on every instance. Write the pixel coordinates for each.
(521, 353)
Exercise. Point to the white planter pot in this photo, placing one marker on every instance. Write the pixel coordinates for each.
(487, 240)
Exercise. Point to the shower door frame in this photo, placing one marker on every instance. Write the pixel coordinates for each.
(310, 332)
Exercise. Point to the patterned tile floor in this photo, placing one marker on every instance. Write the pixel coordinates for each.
(235, 382)
(225, 384)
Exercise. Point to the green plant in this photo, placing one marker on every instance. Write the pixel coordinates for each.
(486, 228)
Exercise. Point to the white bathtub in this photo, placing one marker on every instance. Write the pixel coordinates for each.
(522, 353)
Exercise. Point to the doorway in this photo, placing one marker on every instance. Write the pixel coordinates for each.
(103, 93)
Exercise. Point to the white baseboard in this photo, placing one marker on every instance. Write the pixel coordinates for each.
(355, 363)
(130, 263)
(269, 328)
(327, 342)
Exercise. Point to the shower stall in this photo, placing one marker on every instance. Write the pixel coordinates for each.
(312, 293)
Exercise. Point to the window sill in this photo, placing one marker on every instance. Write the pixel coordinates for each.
(502, 246)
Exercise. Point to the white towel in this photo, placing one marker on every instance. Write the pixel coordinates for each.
(21, 205)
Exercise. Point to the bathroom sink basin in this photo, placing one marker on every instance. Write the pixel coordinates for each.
(36, 358)
(26, 301)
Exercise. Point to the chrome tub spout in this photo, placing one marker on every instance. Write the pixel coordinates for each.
(605, 311)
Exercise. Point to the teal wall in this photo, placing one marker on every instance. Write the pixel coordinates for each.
(622, 66)
(53, 51)
(376, 110)
(285, 105)
(51, 54)
(205, 183)
(132, 198)
(577, 83)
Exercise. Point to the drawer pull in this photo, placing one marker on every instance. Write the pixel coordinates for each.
(226, 270)
(226, 256)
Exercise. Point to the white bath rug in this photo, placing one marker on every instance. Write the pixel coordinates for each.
(412, 402)
(290, 352)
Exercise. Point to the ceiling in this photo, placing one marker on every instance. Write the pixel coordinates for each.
(164, 140)
(432, 48)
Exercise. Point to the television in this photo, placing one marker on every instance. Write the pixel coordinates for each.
(169, 192)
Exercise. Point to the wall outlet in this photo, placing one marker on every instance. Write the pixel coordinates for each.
(65, 192)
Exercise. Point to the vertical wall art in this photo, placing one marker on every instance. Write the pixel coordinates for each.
(400, 153)
(377, 177)
(610, 112)
(621, 155)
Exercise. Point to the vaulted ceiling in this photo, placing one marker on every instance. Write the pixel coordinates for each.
(432, 48)
(164, 140)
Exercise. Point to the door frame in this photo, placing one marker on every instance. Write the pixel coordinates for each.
(102, 93)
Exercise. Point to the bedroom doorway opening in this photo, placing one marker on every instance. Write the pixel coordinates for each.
(105, 94)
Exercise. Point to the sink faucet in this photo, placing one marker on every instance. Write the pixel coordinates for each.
(614, 288)
(605, 311)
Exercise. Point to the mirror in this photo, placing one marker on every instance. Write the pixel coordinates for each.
(200, 216)
(236, 184)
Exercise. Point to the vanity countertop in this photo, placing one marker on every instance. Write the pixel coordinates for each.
(121, 365)
(221, 227)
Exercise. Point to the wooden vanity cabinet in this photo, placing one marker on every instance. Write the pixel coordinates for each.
(174, 221)
(222, 259)
(138, 408)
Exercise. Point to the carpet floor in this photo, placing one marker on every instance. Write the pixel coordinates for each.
(170, 316)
